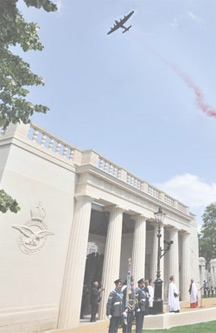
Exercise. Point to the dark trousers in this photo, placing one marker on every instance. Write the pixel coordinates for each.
(139, 321)
(114, 324)
(127, 328)
(151, 310)
(93, 312)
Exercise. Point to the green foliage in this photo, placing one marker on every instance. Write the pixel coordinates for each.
(15, 73)
(8, 203)
(207, 238)
(45, 4)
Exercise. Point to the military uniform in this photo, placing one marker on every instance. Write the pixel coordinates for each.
(115, 309)
(147, 300)
(130, 309)
(140, 308)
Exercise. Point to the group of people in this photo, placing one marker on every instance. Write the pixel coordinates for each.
(207, 290)
(173, 295)
(127, 302)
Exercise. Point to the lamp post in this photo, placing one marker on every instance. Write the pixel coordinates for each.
(158, 302)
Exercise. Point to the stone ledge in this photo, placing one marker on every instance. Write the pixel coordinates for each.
(169, 320)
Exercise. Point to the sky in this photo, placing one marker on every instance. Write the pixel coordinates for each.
(144, 99)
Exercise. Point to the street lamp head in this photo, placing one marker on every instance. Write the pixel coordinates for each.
(159, 216)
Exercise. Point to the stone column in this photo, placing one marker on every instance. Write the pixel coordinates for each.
(212, 270)
(186, 255)
(69, 312)
(174, 255)
(202, 275)
(139, 248)
(154, 253)
(112, 255)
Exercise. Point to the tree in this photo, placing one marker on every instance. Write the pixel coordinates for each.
(15, 73)
(8, 203)
(207, 237)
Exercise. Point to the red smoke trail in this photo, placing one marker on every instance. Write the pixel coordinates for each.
(207, 109)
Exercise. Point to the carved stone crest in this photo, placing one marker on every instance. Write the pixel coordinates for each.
(34, 232)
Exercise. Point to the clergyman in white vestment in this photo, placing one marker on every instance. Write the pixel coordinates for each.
(173, 296)
(193, 294)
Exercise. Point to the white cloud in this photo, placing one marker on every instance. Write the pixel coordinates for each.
(182, 19)
(194, 17)
(174, 23)
(191, 191)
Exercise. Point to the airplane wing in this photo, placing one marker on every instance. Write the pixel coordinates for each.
(125, 18)
(113, 29)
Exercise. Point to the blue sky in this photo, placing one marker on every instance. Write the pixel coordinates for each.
(118, 94)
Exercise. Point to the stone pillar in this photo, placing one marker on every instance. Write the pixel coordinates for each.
(204, 275)
(213, 270)
(186, 255)
(69, 312)
(154, 254)
(112, 255)
(174, 255)
(139, 248)
(202, 271)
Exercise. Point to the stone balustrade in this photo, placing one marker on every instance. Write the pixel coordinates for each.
(55, 145)
(153, 192)
(133, 181)
(169, 201)
(109, 167)
(51, 142)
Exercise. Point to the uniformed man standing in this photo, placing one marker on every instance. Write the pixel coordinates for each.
(115, 307)
(129, 306)
(140, 305)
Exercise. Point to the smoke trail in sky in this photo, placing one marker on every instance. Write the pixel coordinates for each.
(202, 105)
(206, 108)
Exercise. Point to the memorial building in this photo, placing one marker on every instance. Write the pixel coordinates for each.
(81, 218)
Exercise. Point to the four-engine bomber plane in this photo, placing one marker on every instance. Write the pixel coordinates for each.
(120, 24)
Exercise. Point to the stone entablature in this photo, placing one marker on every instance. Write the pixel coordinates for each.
(45, 142)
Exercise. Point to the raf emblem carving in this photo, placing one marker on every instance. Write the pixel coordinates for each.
(34, 232)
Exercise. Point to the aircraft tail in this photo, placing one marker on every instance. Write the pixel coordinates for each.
(126, 29)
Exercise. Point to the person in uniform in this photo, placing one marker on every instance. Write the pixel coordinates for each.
(129, 307)
(147, 297)
(115, 307)
(140, 305)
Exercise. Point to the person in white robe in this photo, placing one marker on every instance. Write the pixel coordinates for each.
(151, 296)
(193, 294)
(173, 296)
